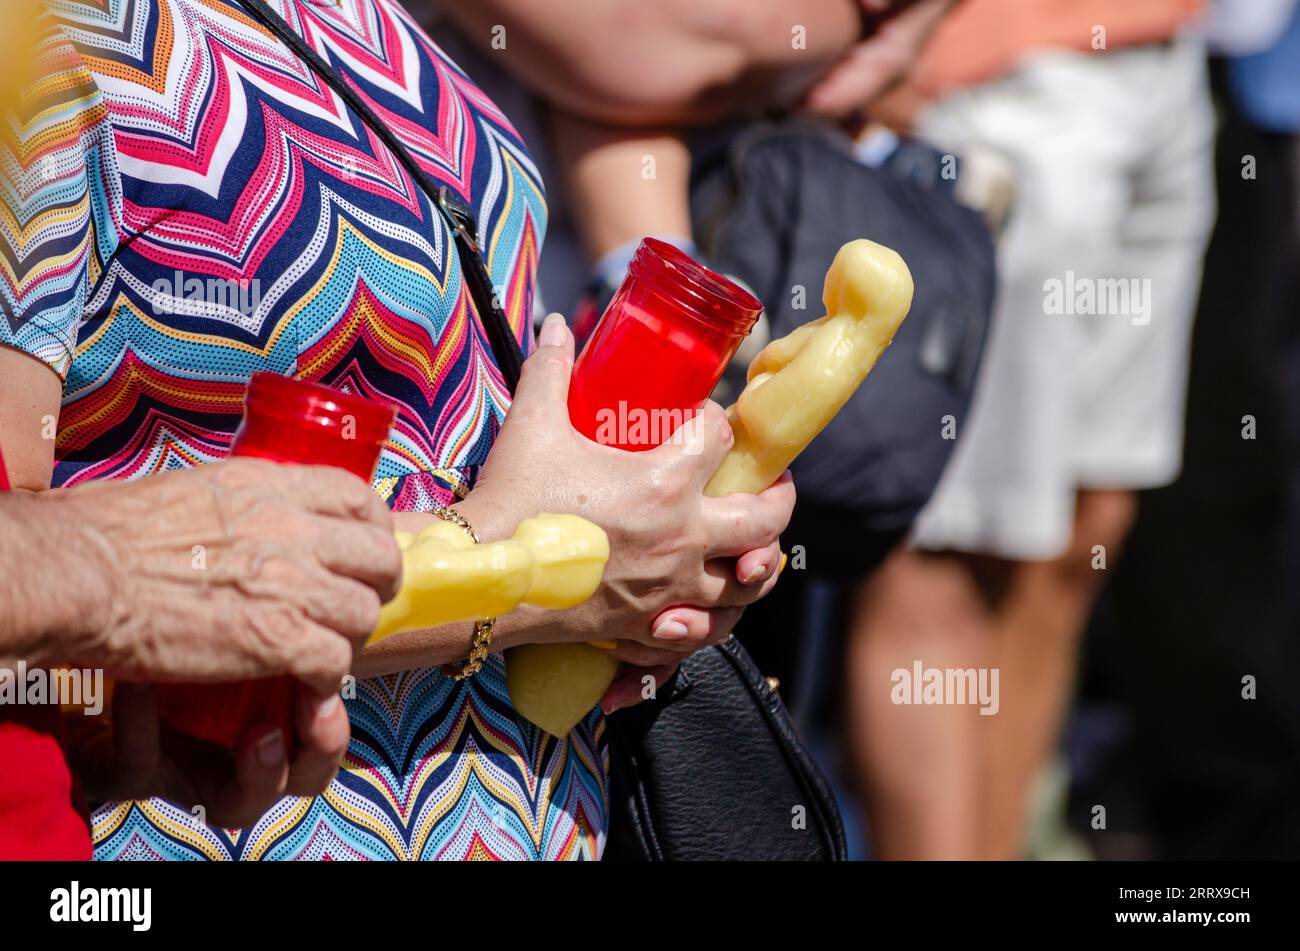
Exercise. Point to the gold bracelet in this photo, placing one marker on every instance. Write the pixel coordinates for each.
(482, 629)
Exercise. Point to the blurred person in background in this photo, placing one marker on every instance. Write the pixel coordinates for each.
(1101, 111)
(1189, 723)
(615, 113)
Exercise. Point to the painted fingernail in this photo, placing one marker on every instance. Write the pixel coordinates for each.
(604, 645)
(270, 749)
(781, 567)
(613, 703)
(671, 631)
(552, 334)
(757, 573)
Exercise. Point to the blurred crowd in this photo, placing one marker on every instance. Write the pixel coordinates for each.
(1039, 600)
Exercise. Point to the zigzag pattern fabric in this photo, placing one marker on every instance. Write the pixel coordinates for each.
(190, 204)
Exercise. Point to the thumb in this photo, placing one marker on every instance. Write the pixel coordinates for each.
(544, 383)
(556, 335)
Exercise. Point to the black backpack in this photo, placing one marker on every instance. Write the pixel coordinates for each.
(771, 205)
(710, 768)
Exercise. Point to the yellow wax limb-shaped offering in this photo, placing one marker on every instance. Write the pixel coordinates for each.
(798, 383)
(552, 561)
(796, 386)
(569, 555)
(555, 685)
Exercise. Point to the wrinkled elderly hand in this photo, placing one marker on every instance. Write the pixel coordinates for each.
(881, 60)
(237, 570)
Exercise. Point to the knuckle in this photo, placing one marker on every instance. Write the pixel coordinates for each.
(388, 559)
(546, 361)
(238, 469)
(767, 523)
(716, 424)
(664, 484)
(374, 548)
(357, 498)
(330, 752)
(275, 633)
(368, 605)
(341, 607)
(351, 494)
(329, 660)
(298, 528)
(326, 748)
(360, 609)
(551, 359)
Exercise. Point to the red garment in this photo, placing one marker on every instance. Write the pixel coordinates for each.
(42, 815)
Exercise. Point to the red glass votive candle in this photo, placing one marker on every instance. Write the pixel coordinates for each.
(659, 350)
(288, 421)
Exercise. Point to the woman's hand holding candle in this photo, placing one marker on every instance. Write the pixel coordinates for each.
(670, 547)
(667, 542)
(796, 386)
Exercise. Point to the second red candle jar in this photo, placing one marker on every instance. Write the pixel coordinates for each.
(289, 421)
(659, 350)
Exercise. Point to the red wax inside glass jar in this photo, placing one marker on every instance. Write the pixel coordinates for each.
(288, 421)
(659, 350)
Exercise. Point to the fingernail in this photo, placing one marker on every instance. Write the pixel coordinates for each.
(552, 334)
(612, 704)
(604, 645)
(757, 574)
(671, 631)
(270, 749)
(781, 567)
(326, 706)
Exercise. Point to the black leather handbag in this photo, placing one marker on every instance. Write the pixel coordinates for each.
(713, 767)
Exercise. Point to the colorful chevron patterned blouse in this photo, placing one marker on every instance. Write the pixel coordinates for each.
(194, 205)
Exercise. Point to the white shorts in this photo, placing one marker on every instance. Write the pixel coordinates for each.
(1084, 376)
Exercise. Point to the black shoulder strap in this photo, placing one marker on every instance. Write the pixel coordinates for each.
(458, 214)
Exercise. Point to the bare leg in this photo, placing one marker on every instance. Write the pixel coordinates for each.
(918, 767)
(942, 781)
(1036, 630)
